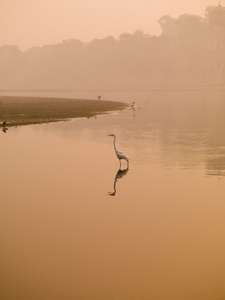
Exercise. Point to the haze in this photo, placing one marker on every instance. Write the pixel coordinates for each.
(28, 23)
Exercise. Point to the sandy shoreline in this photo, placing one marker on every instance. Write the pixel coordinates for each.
(17, 111)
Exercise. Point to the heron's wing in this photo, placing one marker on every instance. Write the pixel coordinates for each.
(121, 155)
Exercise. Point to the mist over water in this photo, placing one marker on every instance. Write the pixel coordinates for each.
(74, 226)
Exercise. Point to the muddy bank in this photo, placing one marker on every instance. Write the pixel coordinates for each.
(18, 111)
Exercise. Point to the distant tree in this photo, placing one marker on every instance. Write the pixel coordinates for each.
(215, 15)
(168, 25)
(190, 25)
(137, 35)
(10, 65)
(9, 52)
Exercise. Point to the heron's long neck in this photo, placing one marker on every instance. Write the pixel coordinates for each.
(114, 143)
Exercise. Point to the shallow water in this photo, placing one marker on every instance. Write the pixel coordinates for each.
(73, 226)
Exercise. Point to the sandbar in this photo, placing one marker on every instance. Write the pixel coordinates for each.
(17, 111)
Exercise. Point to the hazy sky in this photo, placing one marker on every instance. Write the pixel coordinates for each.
(29, 23)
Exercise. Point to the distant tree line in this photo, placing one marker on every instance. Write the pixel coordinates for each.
(189, 51)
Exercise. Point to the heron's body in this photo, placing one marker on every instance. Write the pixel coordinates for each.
(120, 155)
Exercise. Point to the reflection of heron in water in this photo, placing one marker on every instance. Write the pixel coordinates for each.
(133, 108)
(119, 175)
(4, 129)
(120, 155)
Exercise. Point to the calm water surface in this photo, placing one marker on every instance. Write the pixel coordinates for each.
(74, 226)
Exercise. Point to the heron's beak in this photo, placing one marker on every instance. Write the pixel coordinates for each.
(109, 134)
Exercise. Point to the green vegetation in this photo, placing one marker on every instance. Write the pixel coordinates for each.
(33, 110)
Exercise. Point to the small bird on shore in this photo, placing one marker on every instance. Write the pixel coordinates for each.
(120, 155)
(3, 124)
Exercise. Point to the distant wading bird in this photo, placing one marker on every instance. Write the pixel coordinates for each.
(119, 154)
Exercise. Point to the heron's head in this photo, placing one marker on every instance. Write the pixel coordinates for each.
(111, 135)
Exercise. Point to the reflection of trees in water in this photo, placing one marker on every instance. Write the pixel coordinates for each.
(4, 128)
(215, 166)
(191, 128)
(120, 174)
